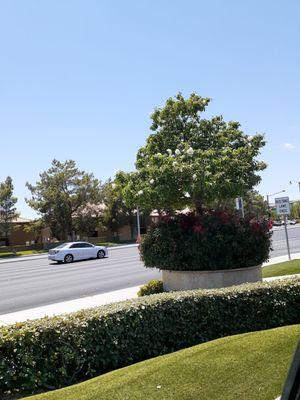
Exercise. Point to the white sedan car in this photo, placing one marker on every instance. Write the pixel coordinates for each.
(73, 251)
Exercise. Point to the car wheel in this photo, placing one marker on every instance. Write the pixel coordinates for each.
(101, 254)
(69, 258)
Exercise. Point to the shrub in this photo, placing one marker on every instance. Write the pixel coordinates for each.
(152, 287)
(214, 240)
(59, 351)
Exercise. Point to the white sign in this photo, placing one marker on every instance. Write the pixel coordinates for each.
(282, 206)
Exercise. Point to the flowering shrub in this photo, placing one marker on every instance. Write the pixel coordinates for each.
(212, 241)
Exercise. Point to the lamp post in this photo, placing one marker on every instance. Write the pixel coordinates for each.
(270, 195)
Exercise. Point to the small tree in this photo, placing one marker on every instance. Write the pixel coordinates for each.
(115, 212)
(295, 211)
(254, 205)
(61, 195)
(8, 211)
(193, 161)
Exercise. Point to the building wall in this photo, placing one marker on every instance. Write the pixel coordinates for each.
(125, 233)
(18, 236)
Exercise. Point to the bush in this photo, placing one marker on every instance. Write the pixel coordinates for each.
(152, 287)
(60, 351)
(212, 241)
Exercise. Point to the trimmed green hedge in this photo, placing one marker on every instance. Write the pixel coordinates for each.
(152, 287)
(55, 352)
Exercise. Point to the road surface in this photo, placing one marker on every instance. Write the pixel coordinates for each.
(32, 283)
(279, 240)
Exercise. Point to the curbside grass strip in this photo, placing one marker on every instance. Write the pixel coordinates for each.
(55, 352)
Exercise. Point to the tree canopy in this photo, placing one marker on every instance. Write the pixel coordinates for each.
(193, 161)
(62, 195)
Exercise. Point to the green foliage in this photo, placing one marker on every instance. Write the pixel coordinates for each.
(295, 211)
(8, 211)
(254, 205)
(152, 287)
(35, 227)
(115, 212)
(88, 218)
(215, 240)
(61, 197)
(60, 351)
(191, 161)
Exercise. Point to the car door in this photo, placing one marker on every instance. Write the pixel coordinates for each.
(89, 250)
(77, 251)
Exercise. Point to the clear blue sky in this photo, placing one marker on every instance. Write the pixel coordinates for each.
(78, 79)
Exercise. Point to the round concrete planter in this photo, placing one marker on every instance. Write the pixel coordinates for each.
(186, 280)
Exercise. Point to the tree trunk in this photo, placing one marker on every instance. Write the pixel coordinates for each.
(131, 223)
(199, 207)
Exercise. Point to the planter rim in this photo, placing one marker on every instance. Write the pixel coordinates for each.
(211, 271)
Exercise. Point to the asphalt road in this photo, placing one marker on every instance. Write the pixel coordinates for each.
(33, 283)
(37, 282)
(279, 240)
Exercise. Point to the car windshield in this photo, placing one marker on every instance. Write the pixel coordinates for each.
(61, 246)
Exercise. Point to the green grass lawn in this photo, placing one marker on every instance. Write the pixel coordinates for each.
(20, 253)
(285, 268)
(249, 366)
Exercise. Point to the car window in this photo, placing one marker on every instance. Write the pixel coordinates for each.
(88, 245)
(61, 246)
(76, 246)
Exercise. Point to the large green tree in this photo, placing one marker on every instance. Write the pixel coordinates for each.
(193, 161)
(61, 195)
(8, 211)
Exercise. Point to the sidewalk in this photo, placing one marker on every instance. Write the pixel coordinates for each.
(277, 260)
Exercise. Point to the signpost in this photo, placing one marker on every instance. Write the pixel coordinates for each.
(283, 208)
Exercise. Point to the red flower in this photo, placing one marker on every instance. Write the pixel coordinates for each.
(270, 224)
